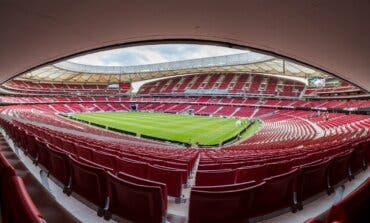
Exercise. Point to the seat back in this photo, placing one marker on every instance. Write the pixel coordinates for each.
(232, 206)
(339, 168)
(105, 159)
(69, 146)
(215, 177)
(276, 194)
(135, 202)
(312, 179)
(59, 165)
(89, 181)
(227, 187)
(141, 181)
(135, 168)
(277, 168)
(171, 177)
(358, 159)
(84, 152)
(245, 174)
(31, 147)
(43, 154)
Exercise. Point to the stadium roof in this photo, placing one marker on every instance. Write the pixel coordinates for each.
(330, 35)
(69, 72)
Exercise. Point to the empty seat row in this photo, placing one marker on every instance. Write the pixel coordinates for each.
(346, 161)
(354, 208)
(132, 198)
(243, 200)
(237, 205)
(39, 150)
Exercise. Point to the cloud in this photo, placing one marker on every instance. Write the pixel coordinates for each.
(149, 54)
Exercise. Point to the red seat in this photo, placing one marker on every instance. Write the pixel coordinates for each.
(59, 165)
(227, 187)
(17, 205)
(215, 177)
(104, 159)
(171, 177)
(135, 168)
(84, 152)
(245, 174)
(312, 180)
(58, 143)
(141, 181)
(92, 163)
(339, 169)
(232, 206)
(358, 159)
(135, 202)
(69, 146)
(354, 208)
(89, 182)
(278, 168)
(276, 194)
(43, 157)
(31, 147)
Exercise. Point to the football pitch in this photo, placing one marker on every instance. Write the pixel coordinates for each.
(189, 129)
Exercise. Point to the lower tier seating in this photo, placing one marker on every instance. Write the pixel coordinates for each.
(282, 159)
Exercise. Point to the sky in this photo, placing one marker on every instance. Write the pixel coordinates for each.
(149, 54)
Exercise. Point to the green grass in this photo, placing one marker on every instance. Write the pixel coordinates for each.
(203, 130)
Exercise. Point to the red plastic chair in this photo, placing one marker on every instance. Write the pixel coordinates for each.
(135, 202)
(232, 206)
(215, 177)
(89, 182)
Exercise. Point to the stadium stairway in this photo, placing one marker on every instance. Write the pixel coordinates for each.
(265, 115)
(254, 112)
(236, 110)
(44, 201)
(318, 129)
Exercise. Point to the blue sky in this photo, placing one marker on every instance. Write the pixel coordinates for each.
(149, 54)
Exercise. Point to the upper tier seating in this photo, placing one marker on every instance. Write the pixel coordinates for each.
(342, 87)
(176, 104)
(232, 83)
(22, 86)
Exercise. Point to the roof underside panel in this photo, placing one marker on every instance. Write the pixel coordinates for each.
(67, 72)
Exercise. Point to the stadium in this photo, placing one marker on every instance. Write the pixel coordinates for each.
(238, 133)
